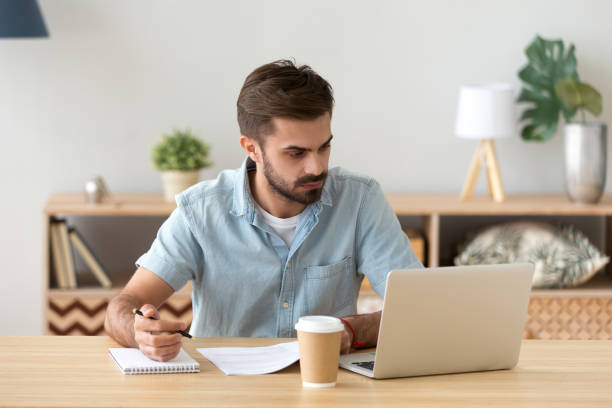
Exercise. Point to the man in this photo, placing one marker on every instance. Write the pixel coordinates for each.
(279, 238)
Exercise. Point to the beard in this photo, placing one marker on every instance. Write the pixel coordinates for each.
(286, 190)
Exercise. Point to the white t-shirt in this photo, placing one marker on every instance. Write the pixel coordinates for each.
(284, 227)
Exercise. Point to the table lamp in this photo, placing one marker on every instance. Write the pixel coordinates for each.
(21, 19)
(485, 112)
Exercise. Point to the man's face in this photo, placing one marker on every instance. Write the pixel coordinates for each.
(296, 157)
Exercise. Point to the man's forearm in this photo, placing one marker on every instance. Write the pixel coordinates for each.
(119, 321)
(366, 327)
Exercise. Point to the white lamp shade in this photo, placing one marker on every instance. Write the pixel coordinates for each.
(486, 112)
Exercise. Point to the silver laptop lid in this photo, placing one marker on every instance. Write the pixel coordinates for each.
(452, 319)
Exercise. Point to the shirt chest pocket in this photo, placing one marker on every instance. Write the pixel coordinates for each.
(329, 288)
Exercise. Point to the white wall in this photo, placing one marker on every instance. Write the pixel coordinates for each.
(95, 96)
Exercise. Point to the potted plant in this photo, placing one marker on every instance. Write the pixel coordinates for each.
(552, 87)
(179, 156)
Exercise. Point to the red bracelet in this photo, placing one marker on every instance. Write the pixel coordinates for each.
(354, 342)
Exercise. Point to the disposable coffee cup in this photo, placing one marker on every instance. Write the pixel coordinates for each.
(319, 342)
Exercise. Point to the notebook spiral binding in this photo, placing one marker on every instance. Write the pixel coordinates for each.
(163, 370)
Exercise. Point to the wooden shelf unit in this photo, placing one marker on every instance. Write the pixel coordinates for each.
(81, 311)
(583, 312)
(433, 206)
(116, 204)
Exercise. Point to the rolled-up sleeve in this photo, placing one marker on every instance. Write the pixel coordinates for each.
(175, 255)
(382, 245)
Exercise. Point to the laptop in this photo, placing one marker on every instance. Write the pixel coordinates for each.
(448, 320)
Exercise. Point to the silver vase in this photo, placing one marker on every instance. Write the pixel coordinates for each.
(585, 161)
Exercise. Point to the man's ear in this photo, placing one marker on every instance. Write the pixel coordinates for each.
(251, 147)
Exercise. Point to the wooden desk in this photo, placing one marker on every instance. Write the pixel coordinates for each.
(51, 371)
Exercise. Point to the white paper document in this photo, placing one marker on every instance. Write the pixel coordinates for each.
(252, 360)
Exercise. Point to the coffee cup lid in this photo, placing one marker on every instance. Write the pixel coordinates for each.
(319, 324)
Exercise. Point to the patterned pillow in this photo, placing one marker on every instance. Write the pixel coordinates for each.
(563, 256)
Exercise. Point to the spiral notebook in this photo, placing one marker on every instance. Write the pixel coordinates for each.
(133, 361)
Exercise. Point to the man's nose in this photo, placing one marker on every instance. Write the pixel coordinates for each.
(314, 165)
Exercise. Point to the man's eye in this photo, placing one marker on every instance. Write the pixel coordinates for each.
(325, 147)
(296, 154)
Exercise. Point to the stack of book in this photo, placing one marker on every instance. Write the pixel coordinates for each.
(63, 240)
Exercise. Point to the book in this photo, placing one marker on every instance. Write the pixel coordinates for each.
(57, 255)
(417, 243)
(68, 256)
(133, 361)
(92, 262)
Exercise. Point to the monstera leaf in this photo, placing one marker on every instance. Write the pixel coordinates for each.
(548, 63)
(579, 95)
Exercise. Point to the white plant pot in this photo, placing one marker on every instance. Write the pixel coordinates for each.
(176, 181)
(585, 161)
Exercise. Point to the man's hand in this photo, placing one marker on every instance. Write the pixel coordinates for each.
(346, 341)
(157, 338)
(366, 331)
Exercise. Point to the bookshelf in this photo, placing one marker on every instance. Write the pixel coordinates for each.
(583, 312)
(81, 311)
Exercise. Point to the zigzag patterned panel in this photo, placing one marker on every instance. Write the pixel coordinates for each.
(84, 316)
(569, 318)
(80, 316)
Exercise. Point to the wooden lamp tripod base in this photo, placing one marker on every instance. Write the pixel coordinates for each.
(485, 150)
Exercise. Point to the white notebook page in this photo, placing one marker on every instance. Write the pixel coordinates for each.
(133, 361)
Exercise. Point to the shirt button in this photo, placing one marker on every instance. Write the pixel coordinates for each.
(288, 264)
(285, 305)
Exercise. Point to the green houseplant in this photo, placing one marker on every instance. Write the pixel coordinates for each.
(179, 156)
(552, 88)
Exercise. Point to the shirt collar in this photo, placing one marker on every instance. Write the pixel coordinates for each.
(243, 202)
(242, 195)
(326, 194)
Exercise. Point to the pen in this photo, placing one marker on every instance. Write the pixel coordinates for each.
(138, 312)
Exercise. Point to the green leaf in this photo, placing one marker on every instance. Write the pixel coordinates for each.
(539, 133)
(548, 62)
(180, 151)
(578, 95)
(567, 91)
(538, 80)
(568, 114)
(591, 97)
(568, 68)
(529, 95)
(571, 100)
(552, 86)
(545, 112)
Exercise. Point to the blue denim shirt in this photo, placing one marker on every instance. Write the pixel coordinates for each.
(248, 283)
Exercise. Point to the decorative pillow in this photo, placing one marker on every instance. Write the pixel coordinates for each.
(563, 256)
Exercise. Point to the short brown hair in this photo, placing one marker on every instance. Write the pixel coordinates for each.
(281, 89)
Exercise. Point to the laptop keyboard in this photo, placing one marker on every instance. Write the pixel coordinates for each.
(368, 365)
